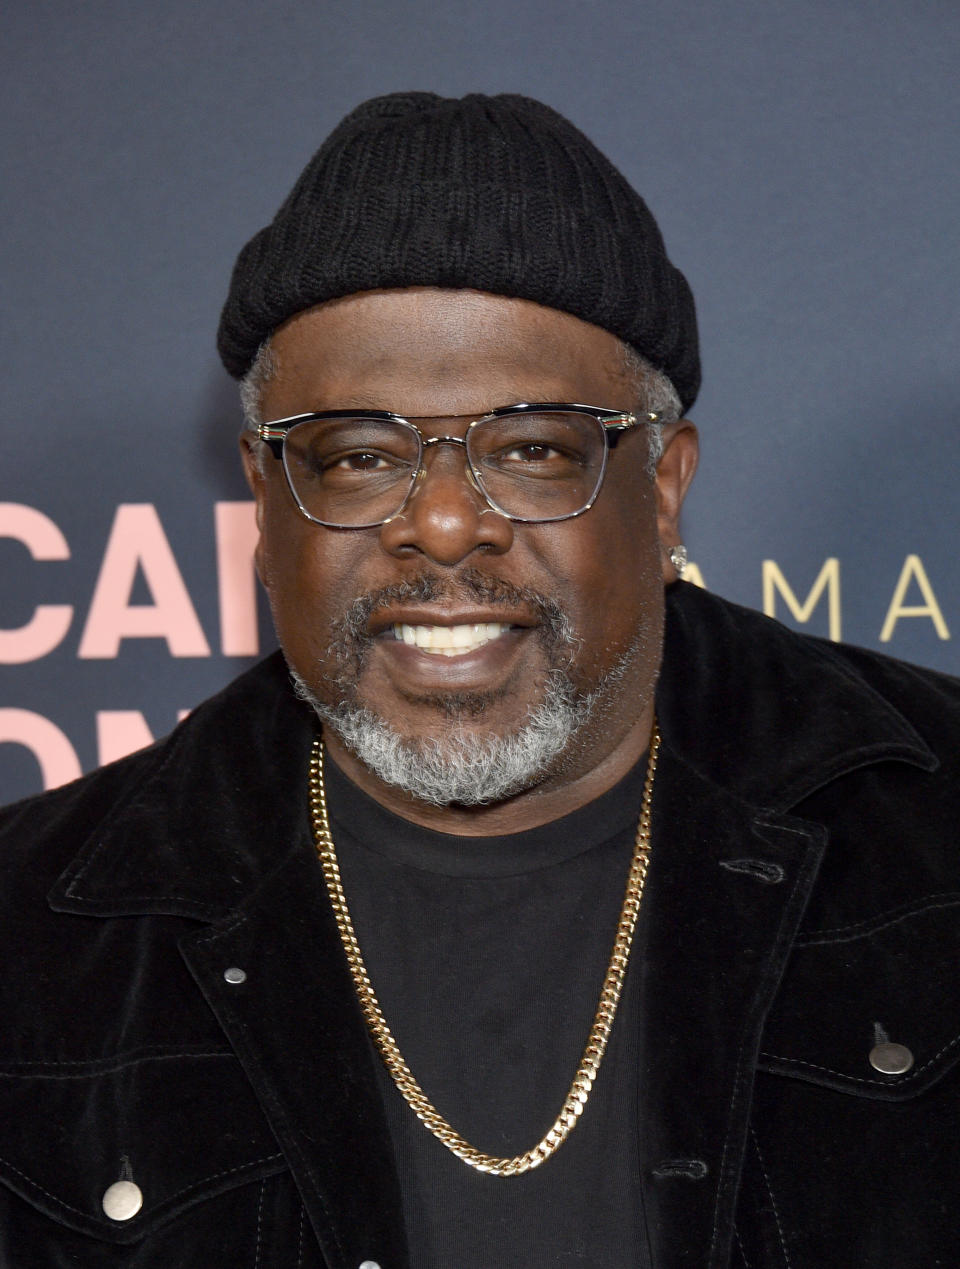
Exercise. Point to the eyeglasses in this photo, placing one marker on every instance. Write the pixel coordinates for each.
(355, 469)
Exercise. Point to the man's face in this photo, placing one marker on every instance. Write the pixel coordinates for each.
(580, 599)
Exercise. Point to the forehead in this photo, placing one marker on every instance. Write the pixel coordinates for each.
(432, 352)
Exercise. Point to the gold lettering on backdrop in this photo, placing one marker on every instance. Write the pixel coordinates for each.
(913, 570)
(828, 579)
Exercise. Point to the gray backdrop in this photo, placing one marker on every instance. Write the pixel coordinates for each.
(802, 159)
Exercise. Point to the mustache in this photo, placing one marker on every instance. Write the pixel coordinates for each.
(350, 632)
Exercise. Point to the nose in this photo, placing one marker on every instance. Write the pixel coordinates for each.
(446, 517)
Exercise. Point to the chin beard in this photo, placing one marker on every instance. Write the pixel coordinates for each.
(463, 767)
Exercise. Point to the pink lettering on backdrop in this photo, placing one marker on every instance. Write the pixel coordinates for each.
(49, 624)
(123, 731)
(53, 751)
(137, 540)
(119, 732)
(237, 535)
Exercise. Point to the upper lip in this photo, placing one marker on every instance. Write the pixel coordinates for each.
(386, 618)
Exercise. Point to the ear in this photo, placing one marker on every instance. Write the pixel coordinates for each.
(252, 459)
(675, 471)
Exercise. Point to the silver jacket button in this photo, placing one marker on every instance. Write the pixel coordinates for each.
(369, 1264)
(891, 1059)
(122, 1200)
(235, 975)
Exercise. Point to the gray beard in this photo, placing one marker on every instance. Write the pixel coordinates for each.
(462, 767)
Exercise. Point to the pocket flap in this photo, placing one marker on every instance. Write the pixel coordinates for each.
(181, 1125)
(895, 979)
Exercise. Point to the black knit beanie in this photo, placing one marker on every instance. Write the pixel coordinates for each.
(497, 194)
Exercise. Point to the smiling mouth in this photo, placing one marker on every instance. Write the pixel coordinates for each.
(450, 641)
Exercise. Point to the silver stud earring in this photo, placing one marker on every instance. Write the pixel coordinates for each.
(678, 558)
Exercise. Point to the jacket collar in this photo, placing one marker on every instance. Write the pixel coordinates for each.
(220, 805)
(767, 714)
(216, 809)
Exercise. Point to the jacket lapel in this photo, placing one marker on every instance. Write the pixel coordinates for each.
(726, 890)
(754, 720)
(296, 1027)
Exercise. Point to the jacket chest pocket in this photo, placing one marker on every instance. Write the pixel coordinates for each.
(162, 1157)
(852, 1150)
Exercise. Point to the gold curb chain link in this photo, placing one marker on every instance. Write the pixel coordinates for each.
(596, 1044)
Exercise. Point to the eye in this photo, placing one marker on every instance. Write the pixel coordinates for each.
(352, 455)
(546, 459)
(554, 445)
(532, 452)
(340, 463)
(360, 461)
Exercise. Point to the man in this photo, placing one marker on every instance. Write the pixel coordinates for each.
(269, 1000)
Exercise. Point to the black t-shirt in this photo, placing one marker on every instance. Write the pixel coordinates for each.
(487, 956)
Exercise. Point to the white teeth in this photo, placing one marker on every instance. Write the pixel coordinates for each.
(450, 641)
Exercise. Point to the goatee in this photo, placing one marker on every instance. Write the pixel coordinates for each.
(464, 766)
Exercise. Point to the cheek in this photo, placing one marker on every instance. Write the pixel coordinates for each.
(620, 557)
(625, 599)
(305, 575)
(620, 591)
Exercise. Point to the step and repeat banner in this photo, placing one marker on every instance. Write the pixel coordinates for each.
(802, 160)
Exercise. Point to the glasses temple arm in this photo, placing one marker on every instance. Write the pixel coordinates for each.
(614, 428)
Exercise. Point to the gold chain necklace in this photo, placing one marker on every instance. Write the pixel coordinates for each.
(414, 1095)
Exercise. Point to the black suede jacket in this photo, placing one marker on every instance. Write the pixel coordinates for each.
(803, 906)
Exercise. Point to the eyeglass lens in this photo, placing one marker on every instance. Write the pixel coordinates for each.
(357, 472)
